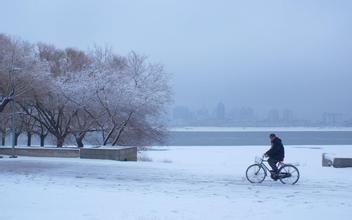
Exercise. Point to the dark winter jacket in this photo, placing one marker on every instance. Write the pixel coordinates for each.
(277, 150)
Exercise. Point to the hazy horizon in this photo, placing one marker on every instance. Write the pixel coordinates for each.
(261, 54)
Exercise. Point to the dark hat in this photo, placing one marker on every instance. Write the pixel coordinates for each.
(272, 135)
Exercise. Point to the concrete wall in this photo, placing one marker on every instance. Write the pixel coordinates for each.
(120, 154)
(337, 162)
(41, 152)
(342, 162)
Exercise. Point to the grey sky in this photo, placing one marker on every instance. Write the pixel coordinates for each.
(262, 54)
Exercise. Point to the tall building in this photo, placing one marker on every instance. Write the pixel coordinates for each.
(287, 116)
(332, 118)
(274, 116)
(220, 111)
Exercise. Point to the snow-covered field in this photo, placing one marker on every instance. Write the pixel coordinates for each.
(179, 183)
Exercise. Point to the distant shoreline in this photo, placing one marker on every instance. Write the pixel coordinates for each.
(256, 129)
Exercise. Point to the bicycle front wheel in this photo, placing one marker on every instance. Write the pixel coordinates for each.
(255, 173)
(289, 174)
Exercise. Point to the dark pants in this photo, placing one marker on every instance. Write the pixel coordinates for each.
(272, 162)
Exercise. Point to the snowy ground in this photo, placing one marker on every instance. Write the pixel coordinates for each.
(179, 183)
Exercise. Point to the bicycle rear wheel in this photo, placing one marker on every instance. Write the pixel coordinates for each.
(289, 174)
(255, 173)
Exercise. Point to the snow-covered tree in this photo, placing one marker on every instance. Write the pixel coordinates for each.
(72, 92)
(53, 108)
(123, 97)
(19, 67)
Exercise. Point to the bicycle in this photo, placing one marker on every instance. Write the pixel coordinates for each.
(257, 172)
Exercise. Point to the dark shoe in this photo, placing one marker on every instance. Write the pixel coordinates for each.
(274, 176)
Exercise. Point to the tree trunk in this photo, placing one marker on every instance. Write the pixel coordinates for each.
(42, 140)
(122, 128)
(79, 139)
(60, 141)
(79, 142)
(29, 139)
(3, 136)
(109, 135)
(16, 138)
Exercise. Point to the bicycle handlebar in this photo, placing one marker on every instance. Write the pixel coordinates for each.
(263, 158)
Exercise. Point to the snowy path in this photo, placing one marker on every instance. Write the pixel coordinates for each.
(180, 183)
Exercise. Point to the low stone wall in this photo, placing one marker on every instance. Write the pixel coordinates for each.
(41, 152)
(329, 160)
(120, 154)
(342, 162)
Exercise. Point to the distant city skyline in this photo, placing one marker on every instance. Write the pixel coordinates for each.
(220, 115)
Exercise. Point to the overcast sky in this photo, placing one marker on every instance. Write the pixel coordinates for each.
(261, 54)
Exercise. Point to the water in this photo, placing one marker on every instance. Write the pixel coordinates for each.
(235, 138)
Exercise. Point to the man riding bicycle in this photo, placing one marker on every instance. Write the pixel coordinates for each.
(276, 154)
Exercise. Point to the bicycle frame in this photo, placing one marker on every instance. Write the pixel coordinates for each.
(265, 167)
